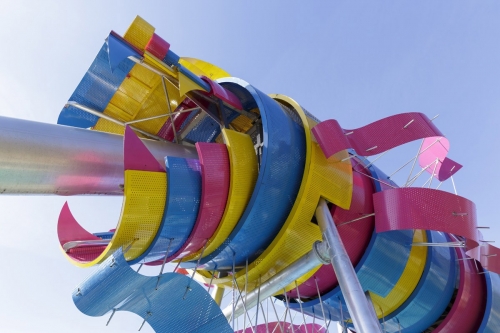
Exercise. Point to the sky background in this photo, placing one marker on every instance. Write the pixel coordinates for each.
(352, 61)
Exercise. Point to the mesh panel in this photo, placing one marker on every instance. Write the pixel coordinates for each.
(183, 201)
(114, 285)
(95, 90)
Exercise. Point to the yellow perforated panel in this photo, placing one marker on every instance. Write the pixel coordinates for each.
(331, 179)
(243, 176)
(408, 281)
(140, 96)
(139, 33)
(142, 211)
(201, 67)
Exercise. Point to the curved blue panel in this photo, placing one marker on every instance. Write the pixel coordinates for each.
(116, 286)
(433, 292)
(491, 320)
(95, 90)
(280, 174)
(378, 271)
(181, 209)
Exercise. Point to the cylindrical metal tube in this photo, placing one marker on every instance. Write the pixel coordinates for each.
(39, 158)
(291, 273)
(362, 313)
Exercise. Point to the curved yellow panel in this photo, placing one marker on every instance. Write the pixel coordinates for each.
(407, 281)
(330, 179)
(201, 67)
(142, 211)
(243, 176)
(140, 96)
(139, 33)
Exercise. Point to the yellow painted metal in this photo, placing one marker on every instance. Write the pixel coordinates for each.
(201, 67)
(243, 176)
(159, 65)
(141, 95)
(328, 178)
(142, 211)
(407, 282)
(186, 85)
(139, 33)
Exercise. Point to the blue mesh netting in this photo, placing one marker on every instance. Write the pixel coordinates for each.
(95, 90)
(116, 286)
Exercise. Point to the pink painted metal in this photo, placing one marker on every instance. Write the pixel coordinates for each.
(282, 326)
(167, 130)
(68, 229)
(435, 149)
(136, 155)
(374, 138)
(467, 311)
(222, 93)
(215, 169)
(158, 47)
(428, 209)
(355, 236)
(490, 258)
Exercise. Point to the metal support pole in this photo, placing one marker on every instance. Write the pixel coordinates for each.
(317, 256)
(362, 313)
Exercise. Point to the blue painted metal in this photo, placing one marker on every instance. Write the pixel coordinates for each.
(119, 50)
(104, 235)
(380, 266)
(378, 270)
(280, 175)
(491, 319)
(116, 286)
(95, 90)
(181, 209)
(432, 294)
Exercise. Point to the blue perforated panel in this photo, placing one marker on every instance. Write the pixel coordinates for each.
(116, 286)
(491, 320)
(95, 90)
(433, 293)
(280, 174)
(181, 210)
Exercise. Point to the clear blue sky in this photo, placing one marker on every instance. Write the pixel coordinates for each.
(352, 61)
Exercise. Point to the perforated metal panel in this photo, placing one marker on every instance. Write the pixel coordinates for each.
(181, 209)
(139, 33)
(243, 175)
(140, 96)
(141, 215)
(116, 286)
(469, 306)
(281, 168)
(491, 320)
(95, 90)
(432, 294)
(321, 177)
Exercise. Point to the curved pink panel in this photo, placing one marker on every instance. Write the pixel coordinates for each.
(428, 209)
(68, 229)
(215, 169)
(355, 236)
(167, 130)
(467, 311)
(436, 148)
(223, 94)
(490, 258)
(136, 156)
(279, 326)
(158, 47)
(374, 138)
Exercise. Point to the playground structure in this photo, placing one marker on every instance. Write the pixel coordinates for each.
(250, 194)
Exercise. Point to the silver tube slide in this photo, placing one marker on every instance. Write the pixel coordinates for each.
(44, 159)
